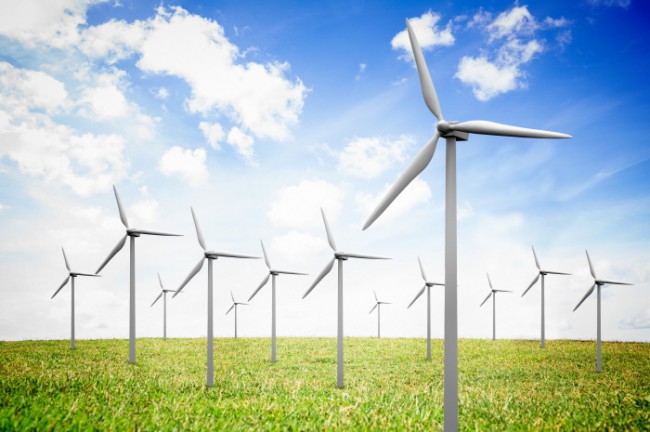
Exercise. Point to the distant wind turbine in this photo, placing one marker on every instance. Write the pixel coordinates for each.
(272, 274)
(493, 294)
(597, 284)
(378, 307)
(132, 233)
(542, 273)
(340, 257)
(427, 286)
(71, 276)
(451, 131)
(234, 306)
(210, 256)
(163, 294)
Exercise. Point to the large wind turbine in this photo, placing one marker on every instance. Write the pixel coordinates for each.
(542, 273)
(132, 233)
(493, 294)
(427, 286)
(272, 274)
(163, 294)
(378, 307)
(71, 276)
(597, 283)
(234, 306)
(340, 257)
(210, 256)
(451, 131)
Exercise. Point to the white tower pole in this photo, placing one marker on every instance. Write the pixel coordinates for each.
(210, 328)
(132, 301)
(72, 309)
(339, 357)
(272, 318)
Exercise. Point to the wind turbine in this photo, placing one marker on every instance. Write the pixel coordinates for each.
(493, 294)
(210, 256)
(163, 294)
(427, 286)
(451, 131)
(71, 276)
(542, 273)
(340, 257)
(272, 274)
(234, 306)
(597, 283)
(378, 307)
(132, 233)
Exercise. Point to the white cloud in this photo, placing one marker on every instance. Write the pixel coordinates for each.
(487, 79)
(514, 22)
(368, 157)
(187, 164)
(113, 40)
(640, 321)
(2, 207)
(298, 206)
(611, 3)
(417, 192)
(296, 247)
(144, 213)
(361, 71)
(28, 89)
(213, 132)
(162, 93)
(428, 34)
(243, 143)
(106, 101)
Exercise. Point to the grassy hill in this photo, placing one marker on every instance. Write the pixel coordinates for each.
(504, 385)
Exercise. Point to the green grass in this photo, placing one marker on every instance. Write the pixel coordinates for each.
(504, 385)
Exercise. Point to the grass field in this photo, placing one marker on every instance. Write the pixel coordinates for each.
(504, 385)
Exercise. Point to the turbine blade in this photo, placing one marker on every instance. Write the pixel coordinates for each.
(87, 274)
(422, 270)
(266, 279)
(531, 284)
(416, 296)
(356, 255)
(65, 258)
(585, 297)
(266, 258)
(125, 222)
(323, 273)
(483, 127)
(426, 84)
(330, 237)
(157, 298)
(376, 299)
(373, 308)
(489, 281)
(591, 267)
(486, 298)
(231, 308)
(61, 287)
(290, 272)
(614, 283)
(536, 260)
(230, 255)
(557, 273)
(158, 233)
(118, 247)
(160, 281)
(232, 297)
(500, 290)
(418, 164)
(195, 270)
(199, 234)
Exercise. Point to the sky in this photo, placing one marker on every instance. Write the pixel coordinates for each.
(258, 114)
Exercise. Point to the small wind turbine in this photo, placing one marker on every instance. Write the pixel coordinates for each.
(163, 294)
(378, 307)
(272, 274)
(132, 233)
(427, 286)
(451, 131)
(234, 306)
(340, 257)
(210, 256)
(542, 273)
(493, 294)
(71, 276)
(597, 284)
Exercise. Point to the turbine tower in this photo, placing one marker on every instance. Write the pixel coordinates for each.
(210, 256)
(427, 285)
(378, 307)
(598, 283)
(71, 276)
(340, 257)
(542, 273)
(451, 131)
(272, 274)
(132, 233)
(234, 306)
(163, 294)
(493, 294)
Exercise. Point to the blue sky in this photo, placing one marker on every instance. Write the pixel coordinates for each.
(259, 114)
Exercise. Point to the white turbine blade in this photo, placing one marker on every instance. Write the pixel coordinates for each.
(118, 247)
(376, 299)
(591, 267)
(157, 298)
(554, 272)
(195, 270)
(483, 127)
(330, 237)
(323, 273)
(417, 296)
(489, 281)
(418, 164)
(232, 297)
(158, 233)
(531, 284)
(357, 255)
(231, 255)
(486, 298)
(422, 270)
(266, 258)
(536, 260)
(373, 308)
(613, 282)
(199, 234)
(125, 222)
(585, 297)
(500, 290)
(161, 284)
(87, 274)
(428, 90)
(289, 272)
(61, 287)
(384, 302)
(266, 279)
(65, 258)
(231, 308)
